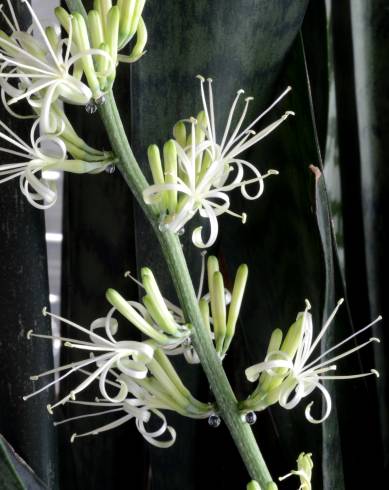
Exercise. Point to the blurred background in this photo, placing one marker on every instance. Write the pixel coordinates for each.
(303, 239)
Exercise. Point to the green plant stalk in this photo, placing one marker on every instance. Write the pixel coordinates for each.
(171, 247)
(172, 250)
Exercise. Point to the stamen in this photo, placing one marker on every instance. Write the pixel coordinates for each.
(128, 274)
(14, 18)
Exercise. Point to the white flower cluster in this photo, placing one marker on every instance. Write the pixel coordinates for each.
(287, 375)
(43, 69)
(135, 379)
(200, 169)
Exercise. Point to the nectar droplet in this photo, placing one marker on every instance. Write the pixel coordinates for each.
(181, 232)
(110, 169)
(91, 107)
(214, 421)
(99, 101)
(250, 418)
(163, 227)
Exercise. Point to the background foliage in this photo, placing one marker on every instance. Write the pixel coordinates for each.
(298, 241)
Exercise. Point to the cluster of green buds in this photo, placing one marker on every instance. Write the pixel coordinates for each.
(304, 471)
(107, 30)
(155, 318)
(220, 308)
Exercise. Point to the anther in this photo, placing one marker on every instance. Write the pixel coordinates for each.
(29, 334)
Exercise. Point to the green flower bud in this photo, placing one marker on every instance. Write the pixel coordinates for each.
(155, 163)
(127, 8)
(63, 17)
(253, 485)
(179, 133)
(271, 486)
(112, 34)
(81, 37)
(212, 267)
(159, 311)
(136, 18)
(52, 37)
(218, 308)
(293, 337)
(170, 164)
(134, 317)
(95, 27)
(236, 302)
(204, 309)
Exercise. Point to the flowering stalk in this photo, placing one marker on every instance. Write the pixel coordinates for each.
(172, 250)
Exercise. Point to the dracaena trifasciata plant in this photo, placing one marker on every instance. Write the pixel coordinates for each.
(45, 68)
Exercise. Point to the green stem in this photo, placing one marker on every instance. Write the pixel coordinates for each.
(172, 250)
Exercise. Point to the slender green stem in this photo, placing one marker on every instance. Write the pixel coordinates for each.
(172, 250)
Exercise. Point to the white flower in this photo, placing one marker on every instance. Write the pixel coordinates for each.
(302, 375)
(47, 152)
(208, 170)
(128, 357)
(44, 71)
(141, 375)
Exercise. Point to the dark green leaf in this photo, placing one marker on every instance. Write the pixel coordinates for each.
(14, 472)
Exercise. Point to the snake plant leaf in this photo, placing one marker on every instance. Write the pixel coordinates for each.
(370, 22)
(15, 474)
(24, 292)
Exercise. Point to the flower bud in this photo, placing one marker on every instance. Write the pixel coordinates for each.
(170, 165)
(236, 302)
(218, 308)
(95, 27)
(134, 317)
(155, 301)
(179, 133)
(112, 36)
(253, 485)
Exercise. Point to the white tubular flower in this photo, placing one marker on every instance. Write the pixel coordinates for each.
(46, 152)
(45, 70)
(304, 471)
(200, 170)
(128, 357)
(288, 374)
